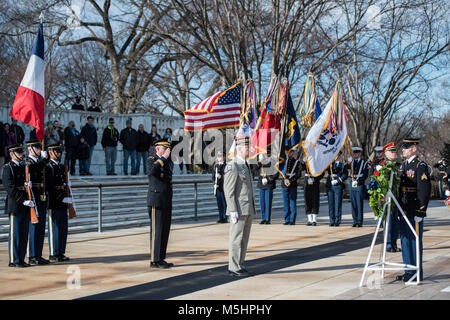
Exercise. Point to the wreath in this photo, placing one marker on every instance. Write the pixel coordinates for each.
(379, 186)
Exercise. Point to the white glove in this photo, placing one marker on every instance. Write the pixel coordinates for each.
(310, 180)
(264, 181)
(418, 219)
(234, 217)
(350, 159)
(354, 184)
(67, 200)
(334, 182)
(219, 176)
(29, 203)
(44, 154)
(447, 193)
(29, 184)
(378, 167)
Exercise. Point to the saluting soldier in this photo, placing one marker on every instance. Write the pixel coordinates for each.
(58, 220)
(159, 202)
(358, 175)
(393, 232)
(267, 179)
(217, 176)
(337, 174)
(238, 189)
(36, 163)
(289, 188)
(414, 195)
(311, 195)
(13, 177)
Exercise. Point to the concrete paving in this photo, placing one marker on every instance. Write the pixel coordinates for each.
(287, 263)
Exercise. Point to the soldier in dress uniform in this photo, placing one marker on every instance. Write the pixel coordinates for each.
(311, 195)
(36, 163)
(390, 153)
(217, 177)
(159, 202)
(58, 224)
(13, 177)
(238, 189)
(289, 188)
(414, 194)
(442, 175)
(358, 175)
(337, 174)
(267, 178)
(379, 157)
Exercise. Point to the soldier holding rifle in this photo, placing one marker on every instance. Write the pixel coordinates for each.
(36, 165)
(17, 206)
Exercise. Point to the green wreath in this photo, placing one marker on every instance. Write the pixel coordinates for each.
(379, 187)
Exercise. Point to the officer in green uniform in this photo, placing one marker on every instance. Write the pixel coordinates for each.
(414, 194)
(238, 189)
(159, 202)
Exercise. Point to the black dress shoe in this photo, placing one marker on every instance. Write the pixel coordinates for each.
(359, 225)
(314, 224)
(267, 222)
(407, 276)
(53, 259)
(332, 224)
(286, 223)
(398, 250)
(336, 224)
(33, 261)
(354, 225)
(22, 264)
(262, 222)
(158, 265)
(309, 223)
(12, 265)
(62, 258)
(400, 277)
(163, 262)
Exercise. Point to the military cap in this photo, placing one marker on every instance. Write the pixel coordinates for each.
(55, 147)
(241, 140)
(17, 147)
(391, 146)
(356, 149)
(378, 149)
(408, 142)
(162, 142)
(33, 142)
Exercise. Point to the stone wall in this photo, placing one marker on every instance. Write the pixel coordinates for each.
(100, 122)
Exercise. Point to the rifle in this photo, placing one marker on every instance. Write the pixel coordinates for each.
(216, 185)
(33, 210)
(72, 212)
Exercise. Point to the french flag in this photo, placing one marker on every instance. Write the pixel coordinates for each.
(28, 106)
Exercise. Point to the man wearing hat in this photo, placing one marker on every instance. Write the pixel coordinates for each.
(217, 177)
(36, 165)
(13, 177)
(337, 174)
(379, 157)
(57, 205)
(311, 195)
(238, 189)
(289, 188)
(159, 202)
(358, 175)
(267, 178)
(390, 153)
(414, 194)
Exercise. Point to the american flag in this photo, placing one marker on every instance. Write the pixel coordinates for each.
(221, 110)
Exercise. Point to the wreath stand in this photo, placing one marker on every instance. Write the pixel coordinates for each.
(384, 265)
